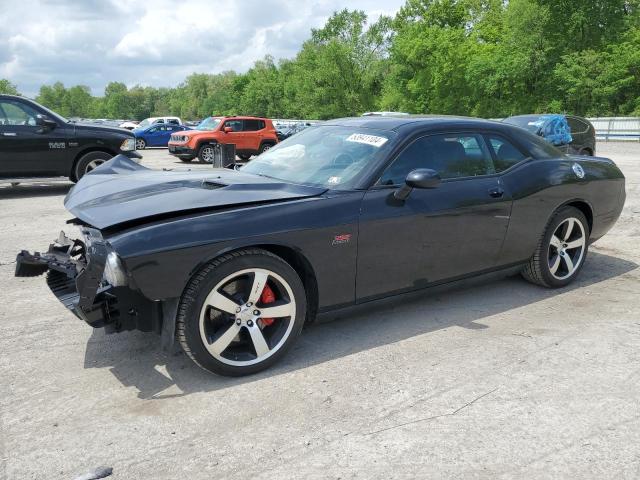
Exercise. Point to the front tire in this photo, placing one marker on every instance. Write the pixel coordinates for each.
(88, 162)
(562, 250)
(241, 313)
(140, 144)
(206, 153)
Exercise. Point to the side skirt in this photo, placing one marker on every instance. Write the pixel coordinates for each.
(465, 282)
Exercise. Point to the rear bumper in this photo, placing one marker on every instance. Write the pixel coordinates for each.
(75, 271)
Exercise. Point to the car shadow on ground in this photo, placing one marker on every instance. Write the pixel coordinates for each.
(34, 189)
(133, 357)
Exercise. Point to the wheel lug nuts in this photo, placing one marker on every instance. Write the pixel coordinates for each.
(249, 304)
(238, 310)
(256, 312)
(238, 321)
(250, 323)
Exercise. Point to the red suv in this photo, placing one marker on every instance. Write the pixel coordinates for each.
(251, 136)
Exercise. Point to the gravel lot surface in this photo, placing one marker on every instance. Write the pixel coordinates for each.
(500, 380)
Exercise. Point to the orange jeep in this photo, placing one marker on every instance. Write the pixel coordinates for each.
(250, 135)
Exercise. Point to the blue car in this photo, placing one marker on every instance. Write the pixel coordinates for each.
(155, 135)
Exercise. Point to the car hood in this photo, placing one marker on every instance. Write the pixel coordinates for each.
(192, 132)
(122, 191)
(102, 128)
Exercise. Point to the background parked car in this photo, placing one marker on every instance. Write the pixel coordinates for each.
(161, 120)
(286, 132)
(37, 142)
(155, 135)
(250, 135)
(582, 132)
(129, 124)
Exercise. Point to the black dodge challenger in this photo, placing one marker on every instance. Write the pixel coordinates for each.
(231, 263)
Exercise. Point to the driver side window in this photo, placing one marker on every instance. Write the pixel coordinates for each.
(452, 156)
(16, 114)
(236, 125)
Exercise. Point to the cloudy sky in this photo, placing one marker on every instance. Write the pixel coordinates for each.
(159, 42)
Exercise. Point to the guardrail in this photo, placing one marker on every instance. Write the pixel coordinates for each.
(617, 128)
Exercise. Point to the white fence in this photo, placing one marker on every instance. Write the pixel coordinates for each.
(617, 128)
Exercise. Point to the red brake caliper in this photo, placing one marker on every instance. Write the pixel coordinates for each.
(267, 297)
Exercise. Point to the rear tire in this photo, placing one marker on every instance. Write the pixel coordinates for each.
(220, 322)
(265, 146)
(562, 250)
(140, 144)
(88, 162)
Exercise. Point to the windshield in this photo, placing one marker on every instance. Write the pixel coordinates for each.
(329, 156)
(144, 123)
(210, 123)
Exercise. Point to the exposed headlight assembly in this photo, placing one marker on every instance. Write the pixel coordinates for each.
(128, 145)
(114, 272)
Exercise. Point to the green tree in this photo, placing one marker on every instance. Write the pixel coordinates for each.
(116, 100)
(7, 87)
(79, 101)
(339, 70)
(263, 90)
(55, 97)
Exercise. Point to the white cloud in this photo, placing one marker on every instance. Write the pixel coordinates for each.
(154, 43)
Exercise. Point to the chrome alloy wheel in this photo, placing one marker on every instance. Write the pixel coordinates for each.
(93, 164)
(566, 248)
(237, 327)
(140, 144)
(207, 154)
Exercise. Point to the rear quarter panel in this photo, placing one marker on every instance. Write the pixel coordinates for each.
(540, 187)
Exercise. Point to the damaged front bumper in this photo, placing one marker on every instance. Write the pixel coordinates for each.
(76, 275)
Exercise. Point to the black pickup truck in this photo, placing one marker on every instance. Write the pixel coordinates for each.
(36, 142)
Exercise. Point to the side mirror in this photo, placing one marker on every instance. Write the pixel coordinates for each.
(419, 178)
(228, 129)
(45, 123)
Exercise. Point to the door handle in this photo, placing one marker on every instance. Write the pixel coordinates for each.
(496, 192)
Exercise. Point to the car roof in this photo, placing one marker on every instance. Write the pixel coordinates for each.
(391, 122)
(538, 115)
(240, 117)
(7, 96)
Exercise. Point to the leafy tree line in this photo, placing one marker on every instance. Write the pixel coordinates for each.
(489, 58)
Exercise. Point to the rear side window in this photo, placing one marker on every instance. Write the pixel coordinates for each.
(505, 154)
(577, 125)
(538, 147)
(452, 156)
(173, 121)
(253, 125)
